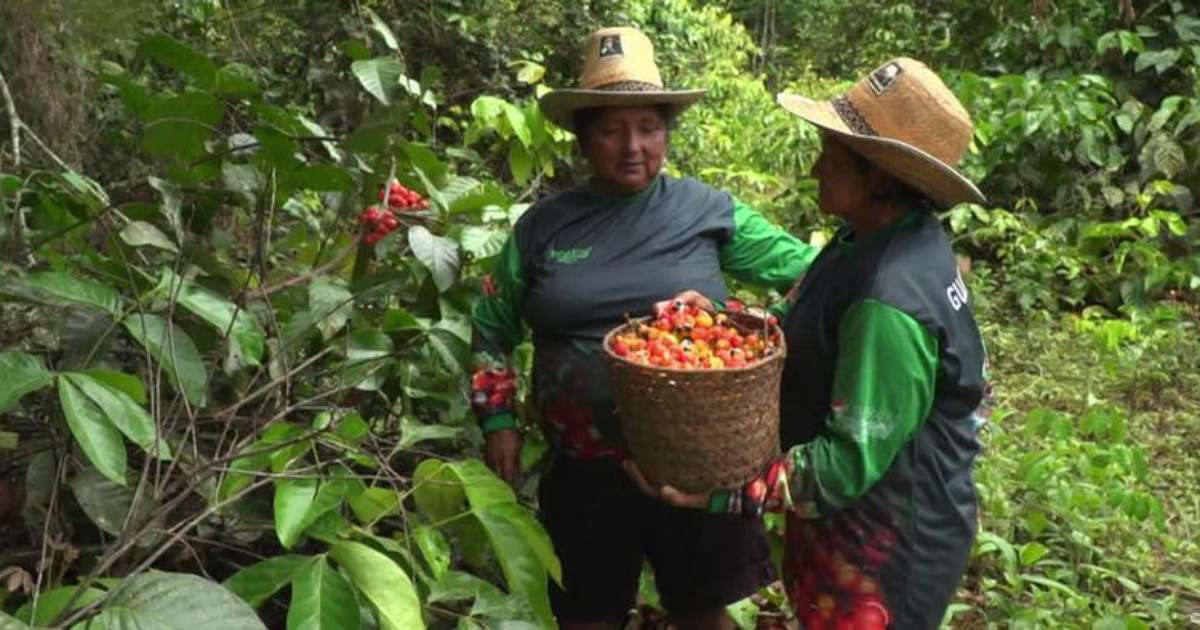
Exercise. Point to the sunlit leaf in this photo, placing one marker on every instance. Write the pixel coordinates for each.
(385, 584)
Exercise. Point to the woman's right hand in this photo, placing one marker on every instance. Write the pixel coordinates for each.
(504, 454)
(689, 298)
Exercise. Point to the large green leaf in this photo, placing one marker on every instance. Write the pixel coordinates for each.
(367, 359)
(331, 304)
(98, 438)
(174, 349)
(64, 286)
(437, 490)
(23, 373)
(52, 603)
(374, 503)
(245, 333)
(437, 253)
(139, 233)
(10, 623)
(482, 242)
(174, 601)
(107, 503)
(258, 582)
(384, 583)
(293, 499)
(300, 502)
(378, 76)
(123, 413)
(180, 57)
(516, 538)
(180, 126)
(322, 599)
(129, 384)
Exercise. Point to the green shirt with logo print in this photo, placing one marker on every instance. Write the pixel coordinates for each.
(579, 262)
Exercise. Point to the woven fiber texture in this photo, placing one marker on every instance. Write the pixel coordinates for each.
(699, 430)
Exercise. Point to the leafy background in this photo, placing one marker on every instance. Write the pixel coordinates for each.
(221, 409)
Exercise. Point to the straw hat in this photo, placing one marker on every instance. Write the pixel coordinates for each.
(907, 122)
(618, 71)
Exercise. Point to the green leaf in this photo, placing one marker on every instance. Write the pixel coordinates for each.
(516, 120)
(520, 163)
(236, 79)
(511, 530)
(139, 233)
(178, 56)
(482, 242)
(1032, 552)
(325, 177)
(258, 582)
(248, 341)
(172, 205)
(175, 351)
(368, 353)
(98, 439)
(437, 253)
(377, 76)
(174, 601)
(384, 583)
(123, 413)
(106, 503)
(301, 502)
(293, 501)
(52, 603)
(23, 373)
(434, 548)
(322, 599)
(331, 304)
(437, 490)
(1169, 158)
(744, 613)
(381, 27)
(425, 160)
(10, 623)
(374, 503)
(64, 286)
(179, 126)
(413, 432)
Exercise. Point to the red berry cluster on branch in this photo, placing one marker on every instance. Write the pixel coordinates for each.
(400, 198)
(379, 222)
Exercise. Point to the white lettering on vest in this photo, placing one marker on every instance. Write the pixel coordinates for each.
(957, 292)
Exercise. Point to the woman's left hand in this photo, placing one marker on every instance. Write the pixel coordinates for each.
(666, 494)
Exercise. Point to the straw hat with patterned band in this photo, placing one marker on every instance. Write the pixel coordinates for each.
(903, 119)
(618, 71)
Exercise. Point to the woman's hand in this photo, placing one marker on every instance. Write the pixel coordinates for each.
(667, 494)
(689, 298)
(504, 454)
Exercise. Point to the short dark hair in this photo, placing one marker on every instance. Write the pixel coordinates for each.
(901, 194)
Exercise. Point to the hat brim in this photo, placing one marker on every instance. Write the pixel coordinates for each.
(559, 106)
(933, 177)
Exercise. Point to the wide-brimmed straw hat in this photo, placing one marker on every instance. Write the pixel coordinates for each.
(618, 71)
(904, 119)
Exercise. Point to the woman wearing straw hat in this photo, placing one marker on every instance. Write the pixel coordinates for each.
(576, 264)
(885, 369)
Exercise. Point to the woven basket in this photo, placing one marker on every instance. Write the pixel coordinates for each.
(699, 430)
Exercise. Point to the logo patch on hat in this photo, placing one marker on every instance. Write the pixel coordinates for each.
(610, 45)
(884, 78)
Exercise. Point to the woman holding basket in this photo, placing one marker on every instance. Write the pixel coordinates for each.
(884, 373)
(575, 265)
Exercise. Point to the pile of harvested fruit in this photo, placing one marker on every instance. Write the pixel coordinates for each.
(379, 222)
(689, 338)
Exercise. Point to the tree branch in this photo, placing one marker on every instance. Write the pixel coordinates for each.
(14, 121)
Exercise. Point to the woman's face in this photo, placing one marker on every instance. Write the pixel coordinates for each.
(626, 146)
(843, 185)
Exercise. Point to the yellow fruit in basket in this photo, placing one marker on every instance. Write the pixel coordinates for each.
(704, 320)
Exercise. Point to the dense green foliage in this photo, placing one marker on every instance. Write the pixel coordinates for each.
(207, 373)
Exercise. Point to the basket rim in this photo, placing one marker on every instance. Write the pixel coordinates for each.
(612, 356)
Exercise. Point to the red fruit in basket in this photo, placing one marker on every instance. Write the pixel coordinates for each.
(826, 606)
(871, 614)
(813, 621)
(867, 586)
(620, 348)
(845, 622)
(663, 324)
(847, 577)
(735, 341)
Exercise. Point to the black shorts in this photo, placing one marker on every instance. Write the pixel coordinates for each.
(603, 527)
